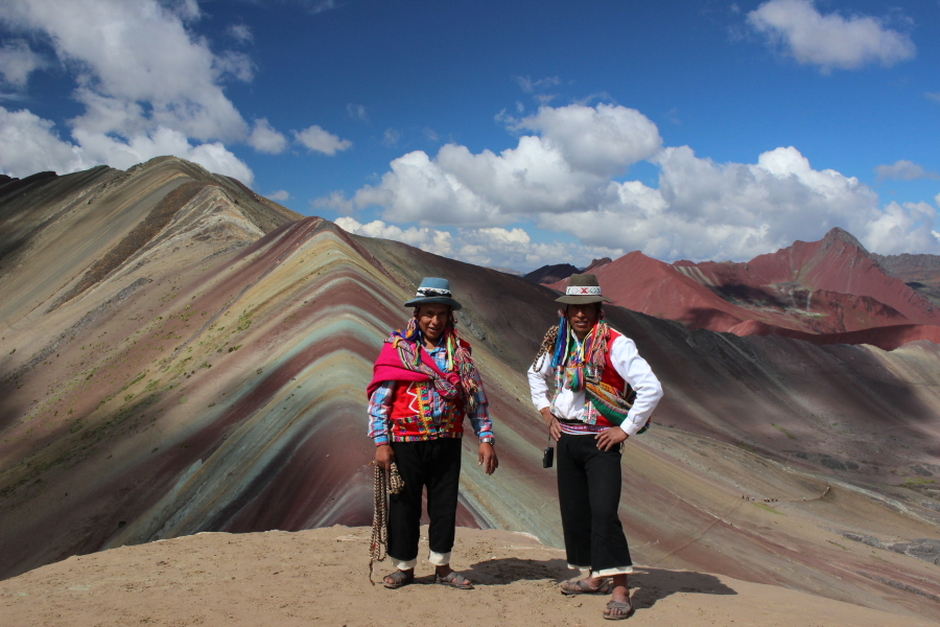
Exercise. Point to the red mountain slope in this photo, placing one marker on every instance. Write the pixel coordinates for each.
(831, 291)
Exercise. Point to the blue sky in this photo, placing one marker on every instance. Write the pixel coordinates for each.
(507, 134)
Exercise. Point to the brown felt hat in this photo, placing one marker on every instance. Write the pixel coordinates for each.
(583, 289)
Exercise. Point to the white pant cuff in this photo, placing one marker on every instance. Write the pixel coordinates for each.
(403, 565)
(439, 559)
(610, 572)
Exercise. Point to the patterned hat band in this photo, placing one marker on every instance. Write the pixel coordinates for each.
(583, 290)
(427, 292)
(433, 290)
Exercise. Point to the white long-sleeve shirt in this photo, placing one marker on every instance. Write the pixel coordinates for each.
(570, 405)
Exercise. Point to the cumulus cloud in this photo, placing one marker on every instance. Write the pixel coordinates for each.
(491, 247)
(903, 170)
(706, 210)
(431, 240)
(829, 41)
(901, 228)
(264, 138)
(30, 144)
(318, 140)
(699, 210)
(566, 166)
(601, 140)
(279, 196)
(18, 61)
(148, 86)
(147, 56)
(147, 83)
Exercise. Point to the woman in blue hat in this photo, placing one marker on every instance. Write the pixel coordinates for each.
(424, 384)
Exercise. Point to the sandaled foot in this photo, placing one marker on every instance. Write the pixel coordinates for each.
(454, 580)
(581, 586)
(399, 578)
(618, 610)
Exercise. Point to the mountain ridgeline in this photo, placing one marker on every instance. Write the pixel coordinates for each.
(178, 355)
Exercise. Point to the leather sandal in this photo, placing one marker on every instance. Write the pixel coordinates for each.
(583, 587)
(398, 579)
(454, 580)
(618, 610)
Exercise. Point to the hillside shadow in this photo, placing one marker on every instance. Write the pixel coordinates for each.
(647, 585)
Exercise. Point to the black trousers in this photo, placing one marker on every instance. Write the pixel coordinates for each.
(434, 464)
(589, 494)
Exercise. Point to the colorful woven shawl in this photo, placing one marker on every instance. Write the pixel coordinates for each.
(402, 359)
(581, 368)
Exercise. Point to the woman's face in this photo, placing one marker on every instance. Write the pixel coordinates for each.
(433, 320)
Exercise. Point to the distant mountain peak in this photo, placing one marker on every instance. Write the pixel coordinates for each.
(838, 235)
(597, 263)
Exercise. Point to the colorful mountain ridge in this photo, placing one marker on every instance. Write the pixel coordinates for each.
(178, 355)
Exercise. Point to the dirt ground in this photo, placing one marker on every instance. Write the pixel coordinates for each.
(321, 577)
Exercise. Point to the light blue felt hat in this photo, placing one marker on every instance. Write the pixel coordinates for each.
(433, 290)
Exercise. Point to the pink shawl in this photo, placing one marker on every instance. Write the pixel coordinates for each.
(389, 367)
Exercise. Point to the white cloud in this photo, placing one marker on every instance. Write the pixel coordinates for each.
(140, 52)
(215, 157)
(431, 240)
(187, 9)
(279, 196)
(357, 112)
(264, 138)
(18, 61)
(391, 137)
(706, 210)
(903, 170)
(241, 33)
(565, 168)
(336, 201)
(490, 247)
(29, 144)
(319, 6)
(902, 228)
(601, 140)
(529, 85)
(147, 83)
(318, 140)
(700, 210)
(237, 64)
(829, 41)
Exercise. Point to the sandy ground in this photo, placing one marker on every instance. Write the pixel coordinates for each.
(321, 577)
